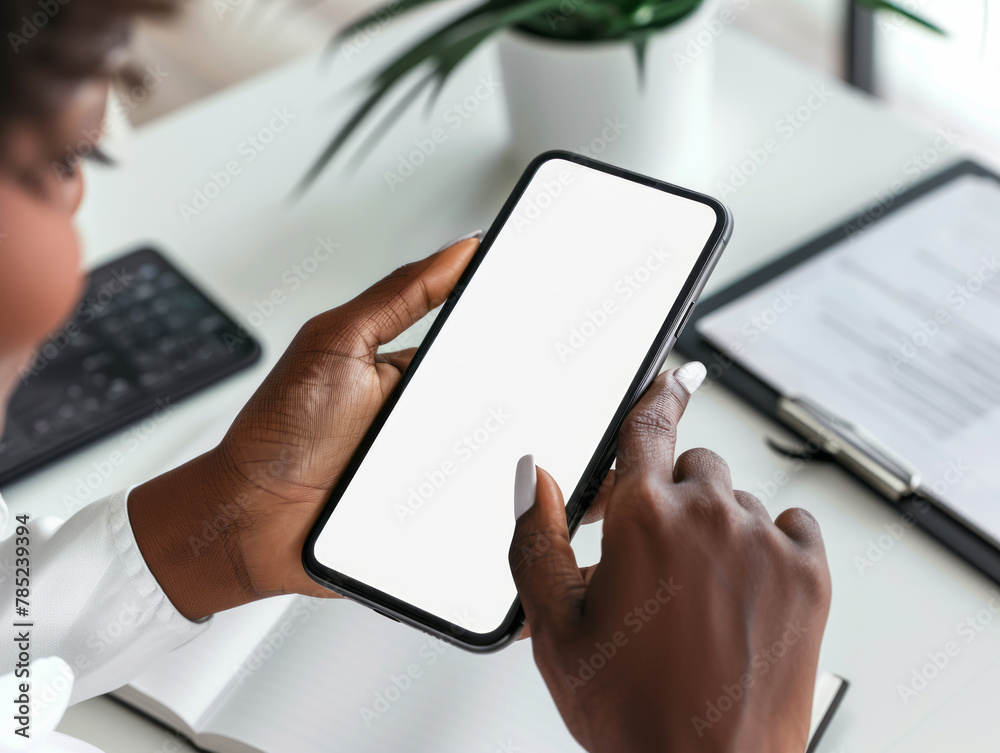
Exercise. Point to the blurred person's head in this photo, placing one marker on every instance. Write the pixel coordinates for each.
(58, 59)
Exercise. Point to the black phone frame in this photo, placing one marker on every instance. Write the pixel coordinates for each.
(600, 462)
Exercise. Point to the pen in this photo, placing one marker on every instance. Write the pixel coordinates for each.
(852, 445)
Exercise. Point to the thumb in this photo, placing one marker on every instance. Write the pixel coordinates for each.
(542, 561)
(389, 307)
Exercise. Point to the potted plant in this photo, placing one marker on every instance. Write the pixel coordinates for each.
(624, 80)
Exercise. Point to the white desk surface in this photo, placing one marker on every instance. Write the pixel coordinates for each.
(883, 622)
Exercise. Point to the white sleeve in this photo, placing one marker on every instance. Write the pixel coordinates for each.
(93, 601)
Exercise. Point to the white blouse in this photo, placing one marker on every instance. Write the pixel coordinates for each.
(95, 617)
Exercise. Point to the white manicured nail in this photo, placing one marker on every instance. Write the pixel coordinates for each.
(691, 375)
(525, 481)
(459, 239)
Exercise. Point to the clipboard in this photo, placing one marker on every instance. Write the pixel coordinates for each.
(874, 466)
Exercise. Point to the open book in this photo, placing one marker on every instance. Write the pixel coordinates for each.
(319, 675)
(313, 675)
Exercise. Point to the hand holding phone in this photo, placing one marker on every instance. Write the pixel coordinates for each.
(589, 276)
(229, 527)
(700, 628)
(558, 325)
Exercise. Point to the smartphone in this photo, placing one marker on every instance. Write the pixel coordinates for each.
(560, 322)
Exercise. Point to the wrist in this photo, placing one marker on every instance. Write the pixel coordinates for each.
(753, 732)
(189, 537)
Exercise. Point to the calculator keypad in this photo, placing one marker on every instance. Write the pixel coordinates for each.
(141, 337)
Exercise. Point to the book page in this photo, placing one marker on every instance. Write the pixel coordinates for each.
(191, 679)
(337, 676)
(349, 679)
(895, 328)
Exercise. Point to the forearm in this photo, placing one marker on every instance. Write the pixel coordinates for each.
(188, 530)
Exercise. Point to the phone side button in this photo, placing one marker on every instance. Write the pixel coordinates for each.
(684, 319)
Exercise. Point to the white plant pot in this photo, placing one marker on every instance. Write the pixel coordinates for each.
(587, 97)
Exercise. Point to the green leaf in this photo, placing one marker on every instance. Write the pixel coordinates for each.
(448, 46)
(338, 140)
(436, 41)
(639, 45)
(389, 119)
(891, 6)
(450, 59)
(670, 13)
(379, 15)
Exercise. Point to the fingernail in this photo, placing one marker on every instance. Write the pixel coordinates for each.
(525, 481)
(459, 239)
(691, 375)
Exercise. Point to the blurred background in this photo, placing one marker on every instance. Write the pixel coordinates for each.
(943, 81)
(243, 241)
(217, 43)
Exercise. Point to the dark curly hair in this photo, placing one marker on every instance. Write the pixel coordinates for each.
(51, 46)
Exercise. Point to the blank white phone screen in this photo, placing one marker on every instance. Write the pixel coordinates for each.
(536, 357)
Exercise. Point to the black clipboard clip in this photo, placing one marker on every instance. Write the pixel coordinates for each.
(850, 445)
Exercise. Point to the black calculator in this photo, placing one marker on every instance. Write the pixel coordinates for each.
(142, 337)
